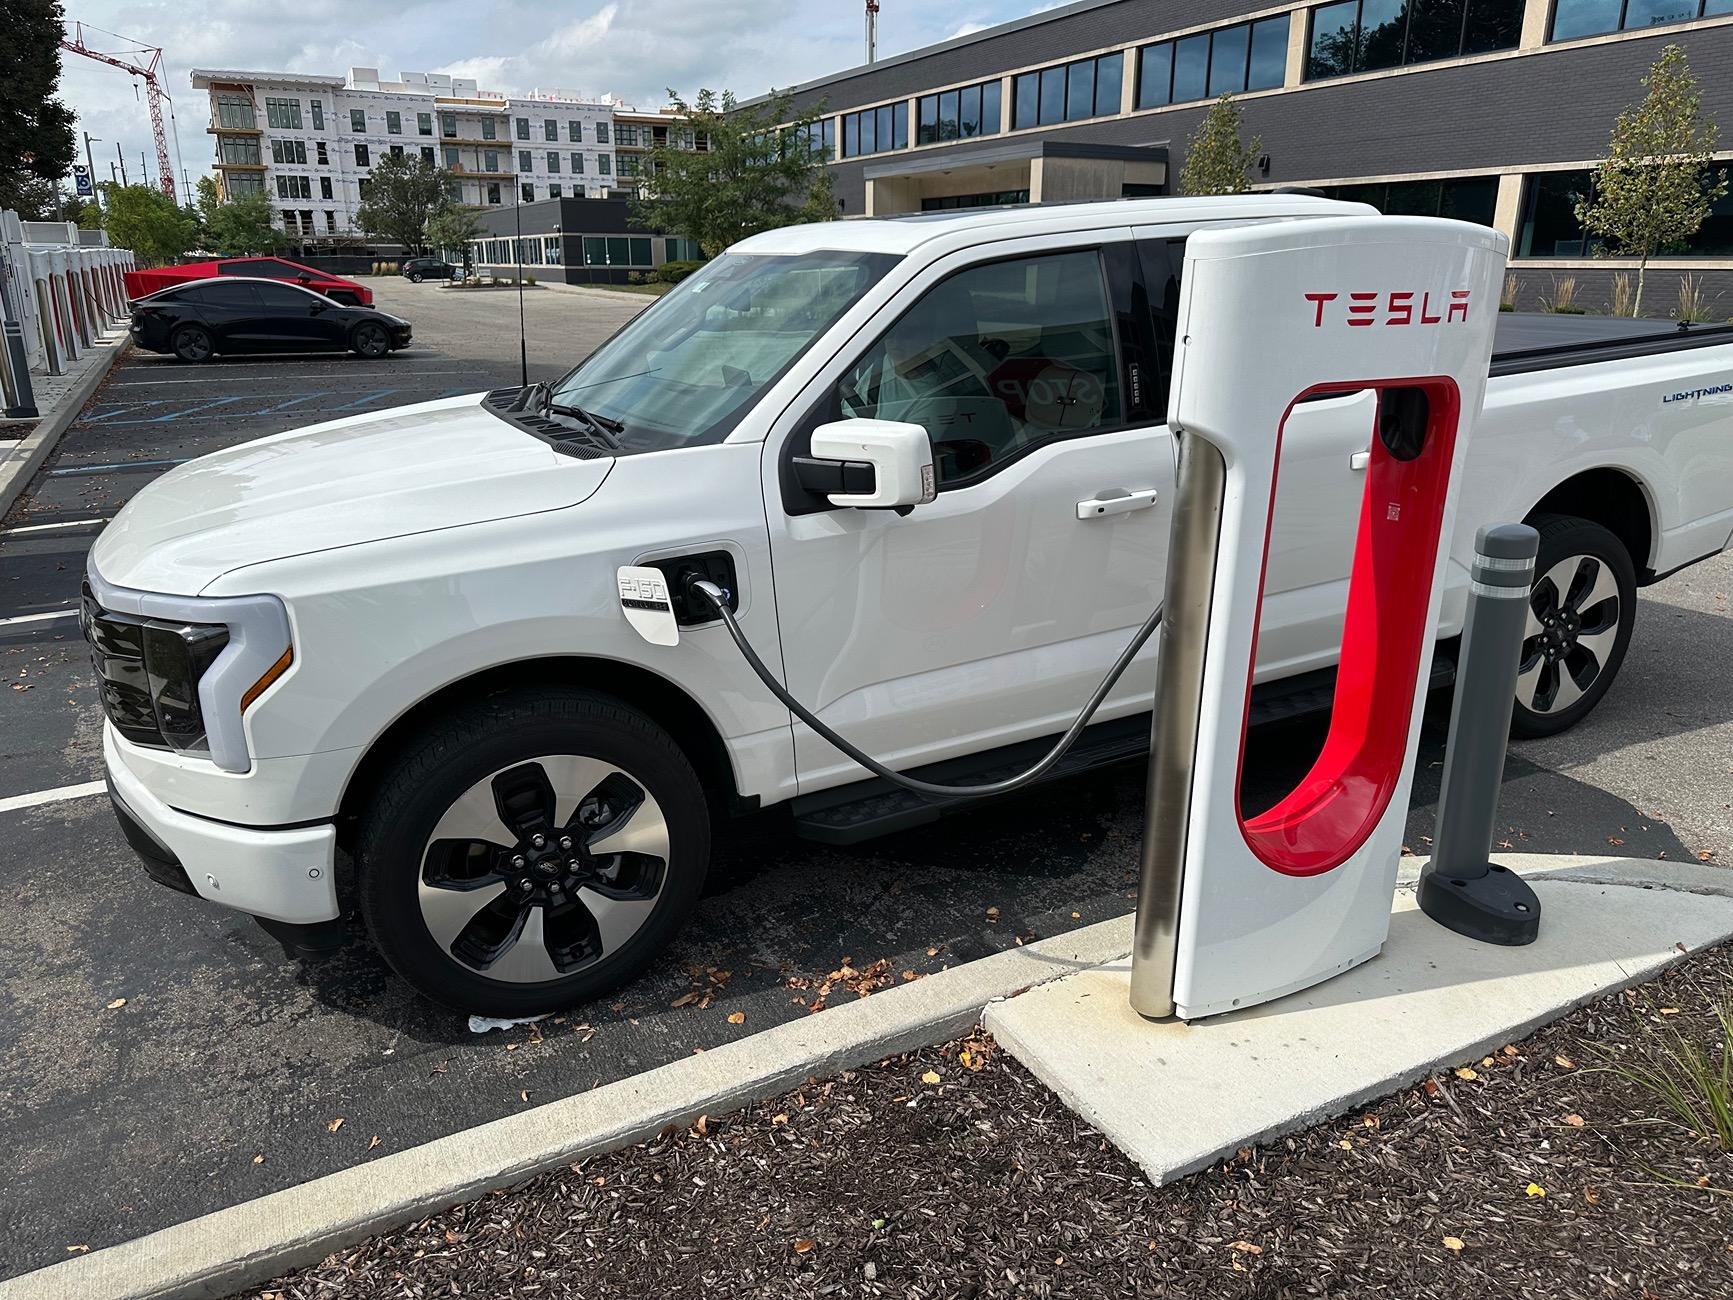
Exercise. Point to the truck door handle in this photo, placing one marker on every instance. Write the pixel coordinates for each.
(1359, 460)
(1115, 501)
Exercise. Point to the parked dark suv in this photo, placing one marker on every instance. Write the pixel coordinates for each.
(417, 269)
(230, 314)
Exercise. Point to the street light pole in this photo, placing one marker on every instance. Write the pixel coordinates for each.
(95, 189)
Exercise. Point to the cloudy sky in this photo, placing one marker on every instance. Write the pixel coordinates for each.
(634, 49)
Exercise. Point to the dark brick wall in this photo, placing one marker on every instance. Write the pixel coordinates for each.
(1551, 107)
(1594, 288)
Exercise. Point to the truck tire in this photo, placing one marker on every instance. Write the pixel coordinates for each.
(1581, 610)
(532, 850)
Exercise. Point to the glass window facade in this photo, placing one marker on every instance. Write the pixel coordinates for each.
(553, 160)
(1464, 198)
(876, 130)
(1069, 92)
(601, 133)
(393, 122)
(959, 114)
(236, 111)
(318, 114)
(1550, 227)
(1228, 61)
(602, 250)
(361, 156)
(818, 136)
(358, 120)
(489, 129)
(1573, 18)
(424, 124)
(1368, 35)
(243, 149)
(284, 114)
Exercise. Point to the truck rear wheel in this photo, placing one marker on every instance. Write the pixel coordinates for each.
(1581, 610)
(531, 851)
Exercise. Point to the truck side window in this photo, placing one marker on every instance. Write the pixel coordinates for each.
(996, 359)
(1162, 262)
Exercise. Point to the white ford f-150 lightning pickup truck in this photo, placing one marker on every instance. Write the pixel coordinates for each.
(391, 654)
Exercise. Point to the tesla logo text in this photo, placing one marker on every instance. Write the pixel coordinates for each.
(1391, 307)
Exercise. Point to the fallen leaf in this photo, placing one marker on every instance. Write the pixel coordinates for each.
(779, 1119)
(687, 999)
(1535, 1189)
(374, 1142)
(79, 1249)
(1486, 1060)
(1669, 1011)
(117, 1004)
(1246, 1246)
(992, 914)
(1345, 1145)
(931, 1076)
(737, 1017)
(523, 1096)
(1430, 1087)
(1705, 855)
(452, 1237)
(1466, 1073)
(1453, 1243)
(259, 1159)
(803, 1245)
(334, 1125)
(1564, 1063)
(1614, 840)
(1575, 1121)
(702, 1127)
(1509, 1051)
(1592, 1194)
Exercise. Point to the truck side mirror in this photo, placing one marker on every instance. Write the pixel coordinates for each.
(899, 454)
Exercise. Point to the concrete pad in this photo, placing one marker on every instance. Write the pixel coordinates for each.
(1177, 1097)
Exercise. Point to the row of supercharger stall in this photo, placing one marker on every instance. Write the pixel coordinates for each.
(62, 288)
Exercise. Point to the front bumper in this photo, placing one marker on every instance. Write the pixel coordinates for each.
(400, 335)
(279, 874)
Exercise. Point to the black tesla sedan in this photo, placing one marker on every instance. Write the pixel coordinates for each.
(235, 314)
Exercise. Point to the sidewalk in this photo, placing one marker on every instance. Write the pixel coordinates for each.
(25, 444)
(988, 1213)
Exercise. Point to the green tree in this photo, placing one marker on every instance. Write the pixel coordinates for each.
(148, 222)
(452, 227)
(1656, 186)
(36, 140)
(1216, 159)
(240, 227)
(757, 173)
(403, 194)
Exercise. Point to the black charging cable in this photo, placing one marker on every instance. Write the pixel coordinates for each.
(718, 600)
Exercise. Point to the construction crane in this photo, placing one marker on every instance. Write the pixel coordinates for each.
(152, 87)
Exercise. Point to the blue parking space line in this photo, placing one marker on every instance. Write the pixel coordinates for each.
(123, 406)
(283, 406)
(364, 399)
(115, 468)
(202, 406)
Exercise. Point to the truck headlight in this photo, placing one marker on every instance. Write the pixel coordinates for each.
(178, 672)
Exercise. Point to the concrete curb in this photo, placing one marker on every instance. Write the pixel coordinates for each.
(230, 1249)
(21, 466)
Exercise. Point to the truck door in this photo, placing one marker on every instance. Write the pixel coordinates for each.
(1317, 503)
(986, 616)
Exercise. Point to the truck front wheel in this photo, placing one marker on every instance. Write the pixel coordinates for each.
(1581, 611)
(531, 851)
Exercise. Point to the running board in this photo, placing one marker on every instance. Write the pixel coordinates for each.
(864, 810)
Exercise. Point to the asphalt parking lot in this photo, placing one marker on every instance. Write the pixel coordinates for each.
(160, 1059)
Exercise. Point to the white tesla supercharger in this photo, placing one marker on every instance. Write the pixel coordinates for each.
(1235, 909)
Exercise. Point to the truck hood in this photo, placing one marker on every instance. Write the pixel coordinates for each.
(412, 469)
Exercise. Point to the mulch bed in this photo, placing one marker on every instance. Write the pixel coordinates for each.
(953, 1173)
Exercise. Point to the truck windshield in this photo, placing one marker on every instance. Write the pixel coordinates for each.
(685, 370)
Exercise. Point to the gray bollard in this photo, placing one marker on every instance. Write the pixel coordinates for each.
(1462, 888)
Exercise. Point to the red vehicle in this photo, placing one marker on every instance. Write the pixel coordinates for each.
(139, 284)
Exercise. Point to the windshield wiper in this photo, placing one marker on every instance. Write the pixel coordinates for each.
(538, 399)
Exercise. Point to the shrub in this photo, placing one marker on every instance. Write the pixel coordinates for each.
(1624, 294)
(1694, 302)
(635, 277)
(1692, 1081)
(1507, 300)
(1564, 297)
(674, 272)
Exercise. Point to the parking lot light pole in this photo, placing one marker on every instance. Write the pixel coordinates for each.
(1462, 888)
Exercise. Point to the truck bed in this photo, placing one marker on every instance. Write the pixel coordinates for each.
(1529, 341)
